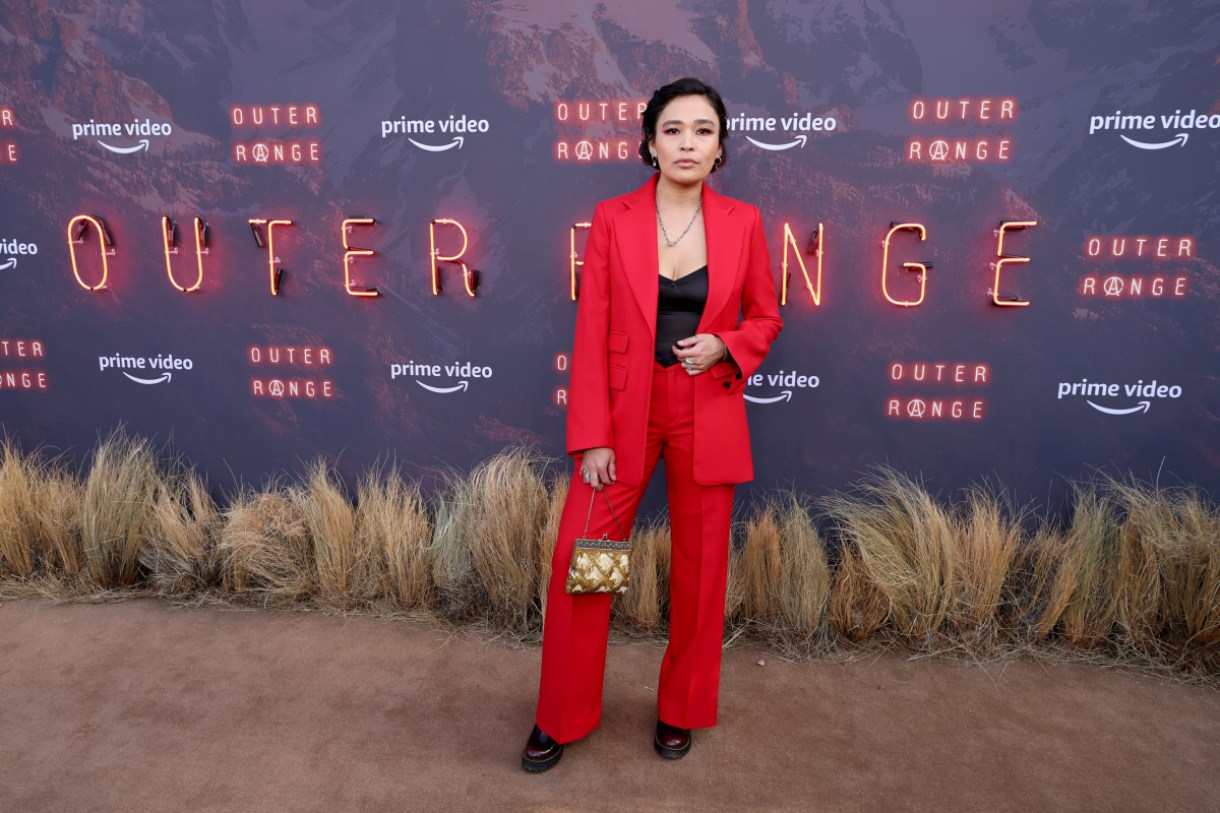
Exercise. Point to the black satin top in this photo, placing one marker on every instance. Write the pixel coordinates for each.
(680, 305)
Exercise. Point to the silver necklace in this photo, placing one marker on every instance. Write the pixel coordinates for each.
(672, 243)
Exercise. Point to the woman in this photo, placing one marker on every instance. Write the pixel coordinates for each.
(677, 309)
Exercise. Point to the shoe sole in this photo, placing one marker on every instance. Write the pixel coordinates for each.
(540, 765)
(671, 753)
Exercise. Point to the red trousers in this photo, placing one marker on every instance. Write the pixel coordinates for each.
(577, 627)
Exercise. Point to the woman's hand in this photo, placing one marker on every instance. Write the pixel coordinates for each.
(699, 352)
(597, 467)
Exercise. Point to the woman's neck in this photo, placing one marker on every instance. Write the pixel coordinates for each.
(681, 195)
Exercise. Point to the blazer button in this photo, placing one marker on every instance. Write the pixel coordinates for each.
(726, 385)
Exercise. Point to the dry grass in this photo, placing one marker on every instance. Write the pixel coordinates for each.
(1192, 572)
(806, 581)
(988, 541)
(487, 541)
(858, 609)
(904, 546)
(265, 549)
(347, 573)
(643, 607)
(1134, 577)
(780, 578)
(119, 515)
(393, 527)
(1145, 543)
(58, 511)
(40, 518)
(762, 568)
(19, 543)
(1167, 579)
(1080, 600)
(180, 554)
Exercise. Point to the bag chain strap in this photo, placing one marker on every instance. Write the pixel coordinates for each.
(610, 505)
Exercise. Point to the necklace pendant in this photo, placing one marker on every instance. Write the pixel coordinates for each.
(665, 232)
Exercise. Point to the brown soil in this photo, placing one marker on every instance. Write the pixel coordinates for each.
(143, 707)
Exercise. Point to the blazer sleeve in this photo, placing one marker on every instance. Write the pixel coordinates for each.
(589, 424)
(760, 320)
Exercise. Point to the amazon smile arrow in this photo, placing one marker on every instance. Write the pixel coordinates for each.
(786, 395)
(1143, 406)
(163, 378)
(143, 145)
(443, 390)
(457, 141)
(801, 139)
(1180, 138)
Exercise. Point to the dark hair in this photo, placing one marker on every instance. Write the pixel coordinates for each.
(687, 86)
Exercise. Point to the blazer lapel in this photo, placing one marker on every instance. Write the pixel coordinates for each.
(636, 235)
(724, 240)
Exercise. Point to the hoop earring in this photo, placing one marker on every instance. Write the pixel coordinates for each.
(717, 161)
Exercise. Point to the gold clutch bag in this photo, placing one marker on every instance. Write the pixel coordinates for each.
(599, 565)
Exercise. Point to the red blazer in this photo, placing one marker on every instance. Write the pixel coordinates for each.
(616, 326)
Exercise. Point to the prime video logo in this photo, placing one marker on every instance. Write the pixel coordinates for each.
(1162, 124)
(10, 247)
(1147, 391)
(770, 126)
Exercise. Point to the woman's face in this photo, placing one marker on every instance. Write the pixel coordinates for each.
(687, 142)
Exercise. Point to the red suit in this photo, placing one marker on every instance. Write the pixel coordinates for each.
(620, 398)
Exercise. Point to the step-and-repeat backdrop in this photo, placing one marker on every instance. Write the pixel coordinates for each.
(267, 231)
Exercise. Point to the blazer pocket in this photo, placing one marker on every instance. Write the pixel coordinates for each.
(618, 377)
(617, 341)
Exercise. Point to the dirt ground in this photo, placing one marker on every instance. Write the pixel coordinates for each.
(140, 706)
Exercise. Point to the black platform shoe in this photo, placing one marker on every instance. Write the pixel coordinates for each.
(541, 752)
(671, 742)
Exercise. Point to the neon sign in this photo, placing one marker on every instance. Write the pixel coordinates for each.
(574, 258)
(469, 275)
(273, 268)
(920, 268)
(349, 252)
(8, 150)
(813, 248)
(169, 239)
(77, 228)
(937, 375)
(1002, 259)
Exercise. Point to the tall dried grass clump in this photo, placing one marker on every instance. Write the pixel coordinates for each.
(781, 578)
(348, 572)
(644, 606)
(393, 525)
(487, 541)
(902, 544)
(858, 609)
(1145, 543)
(180, 554)
(119, 514)
(20, 476)
(989, 540)
(58, 513)
(1192, 582)
(265, 549)
(806, 580)
(761, 567)
(1167, 574)
(1074, 573)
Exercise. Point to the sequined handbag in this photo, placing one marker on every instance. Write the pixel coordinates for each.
(599, 565)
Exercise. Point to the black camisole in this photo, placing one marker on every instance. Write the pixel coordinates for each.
(680, 305)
